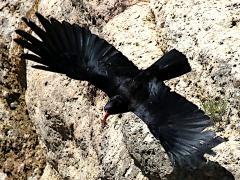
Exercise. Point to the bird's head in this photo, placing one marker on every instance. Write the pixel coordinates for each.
(116, 104)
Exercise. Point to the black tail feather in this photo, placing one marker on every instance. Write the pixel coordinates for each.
(170, 65)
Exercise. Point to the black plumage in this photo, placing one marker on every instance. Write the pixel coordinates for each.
(72, 50)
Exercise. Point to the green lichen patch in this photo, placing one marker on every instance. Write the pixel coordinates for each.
(216, 109)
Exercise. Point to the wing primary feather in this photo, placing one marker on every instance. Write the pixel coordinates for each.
(46, 24)
(35, 28)
(69, 35)
(179, 125)
(59, 35)
(79, 40)
(73, 50)
(28, 37)
(92, 43)
(27, 45)
(31, 57)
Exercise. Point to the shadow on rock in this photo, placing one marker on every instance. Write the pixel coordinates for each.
(210, 171)
(151, 159)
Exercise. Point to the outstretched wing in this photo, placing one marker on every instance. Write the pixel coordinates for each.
(178, 124)
(72, 50)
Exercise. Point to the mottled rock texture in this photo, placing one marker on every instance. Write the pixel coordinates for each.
(208, 33)
(66, 113)
(21, 153)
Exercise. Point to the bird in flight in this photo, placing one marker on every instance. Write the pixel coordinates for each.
(178, 124)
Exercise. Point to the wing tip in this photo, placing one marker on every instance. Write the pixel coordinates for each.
(196, 159)
(24, 20)
(39, 15)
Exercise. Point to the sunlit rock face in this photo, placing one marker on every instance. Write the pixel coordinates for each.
(66, 113)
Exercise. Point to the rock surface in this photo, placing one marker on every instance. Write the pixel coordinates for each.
(21, 152)
(208, 33)
(66, 113)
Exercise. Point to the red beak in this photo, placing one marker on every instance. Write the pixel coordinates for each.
(105, 119)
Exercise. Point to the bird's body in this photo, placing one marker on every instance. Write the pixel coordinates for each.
(72, 50)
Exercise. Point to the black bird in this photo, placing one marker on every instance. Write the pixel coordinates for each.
(73, 50)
